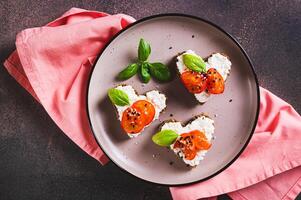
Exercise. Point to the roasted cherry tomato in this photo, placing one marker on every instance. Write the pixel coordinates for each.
(215, 82)
(189, 153)
(202, 144)
(192, 142)
(132, 120)
(195, 82)
(184, 141)
(200, 140)
(147, 110)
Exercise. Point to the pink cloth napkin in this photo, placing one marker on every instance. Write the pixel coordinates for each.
(269, 168)
(53, 64)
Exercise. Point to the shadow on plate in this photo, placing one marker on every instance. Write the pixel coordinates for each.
(177, 94)
(164, 154)
(110, 120)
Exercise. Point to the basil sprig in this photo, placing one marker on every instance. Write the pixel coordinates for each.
(146, 69)
(194, 62)
(159, 71)
(118, 97)
(129, 71)
(144, 74)
(144, 50)
(165, 138)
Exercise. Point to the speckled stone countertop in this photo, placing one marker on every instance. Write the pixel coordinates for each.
(37, 161)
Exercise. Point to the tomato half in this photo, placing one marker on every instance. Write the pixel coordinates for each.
(189, 153)
(200, 140)
(132, 121)
(192, 142)
(215, 82)
(202, 144)
(147, 110)
(195, 82)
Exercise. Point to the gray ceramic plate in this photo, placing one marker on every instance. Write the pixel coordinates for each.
(235, 111)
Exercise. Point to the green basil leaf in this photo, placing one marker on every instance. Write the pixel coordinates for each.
(144, 50)
(128, 72)
(194, 62)
(165, 138)
(144, 72)
(118, 97)
(159, 71)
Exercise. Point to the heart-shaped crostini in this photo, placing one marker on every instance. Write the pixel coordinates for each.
(203, 78)
(190, 142)
(136, 112)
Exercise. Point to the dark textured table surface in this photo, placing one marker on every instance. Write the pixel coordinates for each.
(37, 161)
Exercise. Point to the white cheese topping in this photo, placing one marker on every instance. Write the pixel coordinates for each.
(202, 123)
(157, 99)
(221, 63)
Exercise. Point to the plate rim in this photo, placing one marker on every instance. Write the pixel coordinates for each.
(191, 17)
